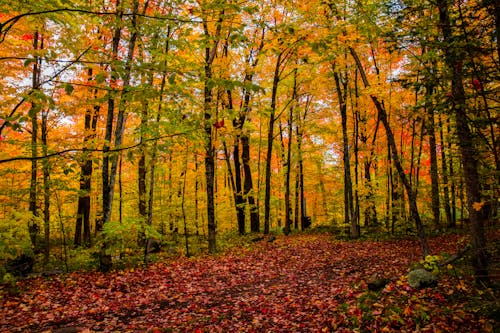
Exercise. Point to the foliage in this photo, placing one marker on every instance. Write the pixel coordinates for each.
(431, 264)
(14, 236)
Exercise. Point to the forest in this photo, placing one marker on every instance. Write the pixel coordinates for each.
(212, 141)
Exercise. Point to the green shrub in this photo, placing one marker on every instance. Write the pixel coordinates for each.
(14, 235)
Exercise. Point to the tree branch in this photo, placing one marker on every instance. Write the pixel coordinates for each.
(87, 150)
(40, 84)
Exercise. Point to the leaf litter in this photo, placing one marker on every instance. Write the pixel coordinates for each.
(303, 283)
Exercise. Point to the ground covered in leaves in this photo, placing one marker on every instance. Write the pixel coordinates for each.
(306, 283)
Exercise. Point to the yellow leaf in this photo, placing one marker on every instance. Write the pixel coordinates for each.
(487, 327)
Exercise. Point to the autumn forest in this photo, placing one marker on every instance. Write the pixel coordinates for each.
(133, 132)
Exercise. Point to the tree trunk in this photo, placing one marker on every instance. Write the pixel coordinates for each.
(121, 117)
(444, 171)
(434, 164)
(210, 53)
(107, 189)
(288, 163)
(46, 190)
(239, 201)
(83, 210)
(183, 201)
(270, 137)
(348, 197)
(469, 154)
(248, 184)
(304, 221)
(33, 226)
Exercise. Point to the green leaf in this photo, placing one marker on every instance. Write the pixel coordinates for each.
(100, 78)
(68, 88)
(28, 61)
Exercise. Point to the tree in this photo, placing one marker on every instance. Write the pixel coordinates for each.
(392, 144)
(213, 40)
(454, 61)
(86, 168)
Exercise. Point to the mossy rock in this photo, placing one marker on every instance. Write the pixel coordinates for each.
(421, 278)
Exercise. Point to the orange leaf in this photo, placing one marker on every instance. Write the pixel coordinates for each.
(407, 311)
(477, 206)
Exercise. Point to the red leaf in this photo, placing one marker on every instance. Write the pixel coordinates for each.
(219, 124)
(27, 37)
(477, 84)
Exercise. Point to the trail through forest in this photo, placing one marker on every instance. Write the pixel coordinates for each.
(306, 283)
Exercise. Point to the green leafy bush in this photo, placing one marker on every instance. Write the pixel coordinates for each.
(431, 263)
(14, 235)
(15, 241)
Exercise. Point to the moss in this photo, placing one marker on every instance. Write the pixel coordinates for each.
(420, 278)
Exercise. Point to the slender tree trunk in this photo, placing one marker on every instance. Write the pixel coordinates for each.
(444, 171)
(356, 211)
(288, 207)
(296, 207)
(304, 220)
(107, 189)
(143, 240)
(469, 154)
(245, 140)
(390, 138)
(238, 204)
(370, 210)
(33, 113)
(46, 189)
(248, 184)
(348, 197)
(196, 200)
(210, 53)
(452, 176)
(389, 191)
(83, 210)
(183, 202)
(434, 165)
(270, 137)
(239, 201)
(141, 165)
(121, 117)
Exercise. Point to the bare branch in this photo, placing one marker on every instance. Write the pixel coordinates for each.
(87, 150)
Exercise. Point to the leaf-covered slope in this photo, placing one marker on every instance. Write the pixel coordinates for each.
(299, 283)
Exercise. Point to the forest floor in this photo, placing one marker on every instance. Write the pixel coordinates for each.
(302, 283)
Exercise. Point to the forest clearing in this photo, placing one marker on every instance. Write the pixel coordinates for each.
(299, 283)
